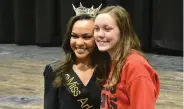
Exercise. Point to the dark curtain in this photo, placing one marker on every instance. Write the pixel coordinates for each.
(167, 31)
(141, 15)
(6, 21)
(24, 21)
(48, 22)
(158, 23)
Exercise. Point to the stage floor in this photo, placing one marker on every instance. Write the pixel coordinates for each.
(21, 76)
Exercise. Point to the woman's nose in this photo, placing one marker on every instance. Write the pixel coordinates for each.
(80, 41)
(100, 34)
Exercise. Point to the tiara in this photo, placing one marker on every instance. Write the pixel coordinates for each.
(83, 10)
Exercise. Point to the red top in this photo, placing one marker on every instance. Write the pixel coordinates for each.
(138, 88)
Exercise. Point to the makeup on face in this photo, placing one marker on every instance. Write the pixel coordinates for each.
(82, 40)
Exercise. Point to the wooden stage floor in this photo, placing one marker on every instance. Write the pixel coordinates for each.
(21, 75)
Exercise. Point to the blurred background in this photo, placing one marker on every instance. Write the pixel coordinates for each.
(31, 34)
(158, 23)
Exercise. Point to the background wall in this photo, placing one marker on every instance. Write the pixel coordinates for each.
(158, 23)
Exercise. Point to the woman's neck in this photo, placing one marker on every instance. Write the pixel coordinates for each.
(111, 53)
(83, 64)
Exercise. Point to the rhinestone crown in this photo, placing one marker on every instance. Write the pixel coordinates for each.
(83, 10)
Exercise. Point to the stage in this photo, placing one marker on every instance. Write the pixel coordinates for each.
(21, 76)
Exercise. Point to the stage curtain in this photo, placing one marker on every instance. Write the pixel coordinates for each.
(167, 31)
(158, 23)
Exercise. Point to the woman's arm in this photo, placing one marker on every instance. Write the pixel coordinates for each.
(50, 93)
(142, 93)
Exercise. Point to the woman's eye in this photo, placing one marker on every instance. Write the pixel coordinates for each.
(107, 29)
(73, 36)
(87, 37)
(96, 29)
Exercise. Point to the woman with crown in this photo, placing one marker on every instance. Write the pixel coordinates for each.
(74, 81)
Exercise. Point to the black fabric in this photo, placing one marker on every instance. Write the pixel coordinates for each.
(51, 100)
(6, 21)
(167, 24)
(112, 2)
(158, 23)
(47, 16)
(141, 15)
(62, 98)
(142, 21)
(24, 21)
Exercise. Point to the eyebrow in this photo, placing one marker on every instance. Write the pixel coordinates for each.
(81, 34)
(106, 25)
(103, 26)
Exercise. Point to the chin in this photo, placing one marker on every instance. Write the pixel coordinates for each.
(81, 56)
(102, 49)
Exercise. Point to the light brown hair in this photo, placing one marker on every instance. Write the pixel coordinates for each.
(128, 40)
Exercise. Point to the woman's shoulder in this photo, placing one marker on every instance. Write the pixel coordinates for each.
(55, 65)
(50, 68)
(136, 58)
(137, 65)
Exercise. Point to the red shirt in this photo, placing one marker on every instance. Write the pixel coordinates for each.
(138, 88)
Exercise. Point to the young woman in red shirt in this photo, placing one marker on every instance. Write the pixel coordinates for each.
(132, 82)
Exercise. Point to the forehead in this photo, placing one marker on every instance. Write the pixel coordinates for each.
(105, 19)
(83, 26)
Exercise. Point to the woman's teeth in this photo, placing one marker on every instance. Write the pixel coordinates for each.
(102, 42)
(80, 49)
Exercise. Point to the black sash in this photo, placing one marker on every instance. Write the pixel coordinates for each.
(78, 90)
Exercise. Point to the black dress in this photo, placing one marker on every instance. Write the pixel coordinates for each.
(73, 95)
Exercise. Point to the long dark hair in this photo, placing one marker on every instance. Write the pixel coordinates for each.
(66, 63)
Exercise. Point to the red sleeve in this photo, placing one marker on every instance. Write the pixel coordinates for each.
(143, 84)
(142, 93)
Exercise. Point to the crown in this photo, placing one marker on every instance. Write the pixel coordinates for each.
(83, 10)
